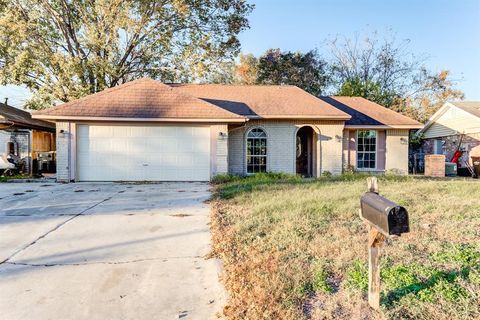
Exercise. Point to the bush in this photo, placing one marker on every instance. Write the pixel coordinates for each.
(225, 178)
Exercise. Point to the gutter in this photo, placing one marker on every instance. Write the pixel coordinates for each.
(393, 126)
(110, 119)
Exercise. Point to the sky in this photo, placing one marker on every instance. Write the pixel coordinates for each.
(445, 31)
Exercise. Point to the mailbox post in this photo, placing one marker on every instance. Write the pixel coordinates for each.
(384, 218)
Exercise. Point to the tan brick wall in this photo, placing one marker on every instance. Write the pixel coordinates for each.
(218, 149)
(396, 156)
(434, 165)
(281, 145)
(62, 151)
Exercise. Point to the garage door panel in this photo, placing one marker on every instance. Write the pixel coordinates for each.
(133, 153)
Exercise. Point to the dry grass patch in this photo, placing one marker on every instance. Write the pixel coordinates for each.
(296, 248)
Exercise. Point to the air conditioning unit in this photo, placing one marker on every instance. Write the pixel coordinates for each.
(450, 169)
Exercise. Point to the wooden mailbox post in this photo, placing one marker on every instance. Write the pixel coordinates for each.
(384, 218)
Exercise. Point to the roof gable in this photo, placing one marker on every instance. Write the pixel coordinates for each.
(453, 118)
(472, 107)
(367, 113)
(139, 99)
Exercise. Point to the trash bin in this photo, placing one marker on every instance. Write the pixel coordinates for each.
(476, 166)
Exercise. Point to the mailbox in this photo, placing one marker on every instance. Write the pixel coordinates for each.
(386, 216)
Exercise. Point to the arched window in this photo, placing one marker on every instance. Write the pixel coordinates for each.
(256, 151)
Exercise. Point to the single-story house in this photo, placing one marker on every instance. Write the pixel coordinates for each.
(24, 137)
(147, 130)
(454, 125)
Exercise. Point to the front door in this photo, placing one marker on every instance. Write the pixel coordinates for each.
(304, 151)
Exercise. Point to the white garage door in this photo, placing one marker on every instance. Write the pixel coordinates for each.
(136, 153)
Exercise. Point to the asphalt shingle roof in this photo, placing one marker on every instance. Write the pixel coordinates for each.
(264, 101)
(367, 113)
(143, 98)
(20, 118)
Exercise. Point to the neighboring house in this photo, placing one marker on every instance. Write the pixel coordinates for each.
(455, 124)
(146, 130)
(23, 136)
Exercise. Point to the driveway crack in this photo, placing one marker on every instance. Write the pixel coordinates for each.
(54, 229)
(98, 262)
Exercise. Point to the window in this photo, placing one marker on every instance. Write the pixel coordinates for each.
(438, 147)
(256, 151)
(366, 149)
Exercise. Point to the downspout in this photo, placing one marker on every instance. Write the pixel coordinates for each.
(30, 153)
(69, 158)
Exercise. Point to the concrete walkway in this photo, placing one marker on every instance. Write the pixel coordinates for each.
(106, 251)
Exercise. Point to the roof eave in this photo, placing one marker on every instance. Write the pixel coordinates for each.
(125, 119)
(384, 126)
(307, 117)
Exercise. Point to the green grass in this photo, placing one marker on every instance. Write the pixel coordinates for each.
(18, 176)
(295, 248)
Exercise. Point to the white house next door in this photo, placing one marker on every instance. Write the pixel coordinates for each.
(143, 153)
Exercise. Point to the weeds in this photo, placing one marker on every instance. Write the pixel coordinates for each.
(287, 243)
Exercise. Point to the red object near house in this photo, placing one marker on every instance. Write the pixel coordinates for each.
(456, 156)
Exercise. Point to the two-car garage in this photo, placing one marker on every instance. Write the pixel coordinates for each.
(142, 130)
(113, 152)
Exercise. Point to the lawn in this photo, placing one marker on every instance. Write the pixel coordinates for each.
(295, 248)
(6, 178)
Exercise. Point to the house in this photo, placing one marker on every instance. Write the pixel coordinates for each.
(24, 137)
(147, 130)
(454, 125)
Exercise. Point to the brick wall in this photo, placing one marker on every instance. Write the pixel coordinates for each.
(218, 149)
(62, 151)
(281, 145)
(4, 138)
(23, 143)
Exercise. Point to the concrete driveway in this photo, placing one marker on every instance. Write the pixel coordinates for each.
(106, 251)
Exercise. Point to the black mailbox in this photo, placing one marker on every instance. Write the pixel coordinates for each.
(386, 216)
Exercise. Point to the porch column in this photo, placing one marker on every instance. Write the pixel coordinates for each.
(318, 155)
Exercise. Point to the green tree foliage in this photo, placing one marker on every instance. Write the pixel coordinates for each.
(305, 70)
(62, 50)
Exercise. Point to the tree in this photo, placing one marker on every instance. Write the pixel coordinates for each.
(305, 70)
(246, 71)
(433, 91)
(62, 50)
(386, 72)
(380, 70)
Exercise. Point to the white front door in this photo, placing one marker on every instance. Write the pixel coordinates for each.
(143, 153)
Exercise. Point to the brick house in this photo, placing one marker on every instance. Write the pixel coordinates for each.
(147, 130)
(455, 124)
